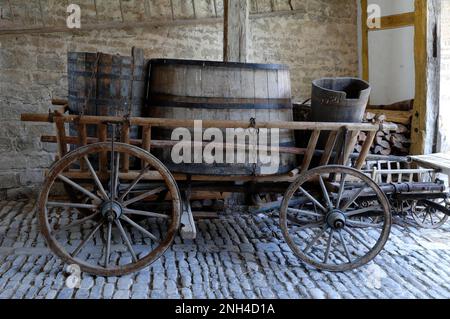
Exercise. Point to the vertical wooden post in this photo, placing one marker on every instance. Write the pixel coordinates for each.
(420, 101)
(236, 31)
(365, 41)
(102, 137)
(82, 141)
(61, 136)
(125, 139)
(427, 65)
(146, 138)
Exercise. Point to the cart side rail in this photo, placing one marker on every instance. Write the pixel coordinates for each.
(342, 137)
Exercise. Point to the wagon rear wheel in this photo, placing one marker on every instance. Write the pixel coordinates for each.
(335, 218)
(429, 217)
(133, 216)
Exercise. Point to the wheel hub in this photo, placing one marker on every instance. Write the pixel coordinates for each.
(111, 210)
(336, 219)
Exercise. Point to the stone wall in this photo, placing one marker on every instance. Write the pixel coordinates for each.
(314, 37)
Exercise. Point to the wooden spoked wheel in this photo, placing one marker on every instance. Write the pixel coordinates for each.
(335, 218)
(133, 217)
(429, 217)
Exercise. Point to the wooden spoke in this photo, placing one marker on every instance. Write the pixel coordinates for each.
(71, 205)
(126, 239)
(305, 212)
(76, 223)
(353, 198)
(146, 214)
(108, 244)
(355, 223)
(140, 228)
(325, 193)
(96, 179)
(315, 239)
(309, 226)
(144, 196)
(311, 198)
(116, 174)
(84, 242)
(364, 210)
(344, 244)
(327, 251)
(78, 187)
(134, 183)
(341, 189)
(357, 237)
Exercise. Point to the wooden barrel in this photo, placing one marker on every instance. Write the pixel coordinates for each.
(206, 90)
(104, 84)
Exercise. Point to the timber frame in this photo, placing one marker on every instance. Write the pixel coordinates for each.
(425, 20)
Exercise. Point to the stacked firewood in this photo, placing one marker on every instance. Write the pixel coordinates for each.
(385, 143)
(388, 143)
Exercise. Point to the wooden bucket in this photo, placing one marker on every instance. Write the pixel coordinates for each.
(205, 90)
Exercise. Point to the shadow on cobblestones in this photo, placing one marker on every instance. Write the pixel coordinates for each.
(236, 256)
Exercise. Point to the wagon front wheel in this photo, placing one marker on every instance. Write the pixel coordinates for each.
(335, 218)
(133, 203)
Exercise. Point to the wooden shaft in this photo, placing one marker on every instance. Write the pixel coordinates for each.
(164, 122)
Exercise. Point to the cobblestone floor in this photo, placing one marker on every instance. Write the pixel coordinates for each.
(237, 256)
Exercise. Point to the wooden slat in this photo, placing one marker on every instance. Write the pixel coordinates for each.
(365, 150)
(82, 141)
(332, 138)
(125, 136)
(61, 136)
(102, 136)
(147, 138)
(310, 150)
(349, 147)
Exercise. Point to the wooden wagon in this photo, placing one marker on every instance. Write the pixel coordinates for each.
(129, 205)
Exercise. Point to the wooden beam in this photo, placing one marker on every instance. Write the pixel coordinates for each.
(396, 21)
(365, 41)
(236, 31)
(165, 122)
(418, 132)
